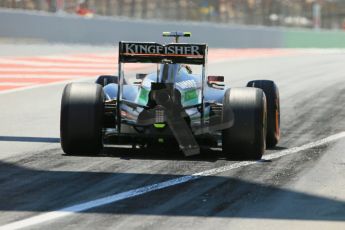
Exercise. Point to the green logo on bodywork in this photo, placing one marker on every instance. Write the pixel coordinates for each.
(143, 96)
(190, 95)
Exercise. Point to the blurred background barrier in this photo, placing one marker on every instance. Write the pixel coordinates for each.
(223, 23)
(73, 29)
(328, 14)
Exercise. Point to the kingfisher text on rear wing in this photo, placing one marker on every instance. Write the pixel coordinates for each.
(146, 52)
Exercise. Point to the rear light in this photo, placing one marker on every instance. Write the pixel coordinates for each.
(215, 78)
(216, 81)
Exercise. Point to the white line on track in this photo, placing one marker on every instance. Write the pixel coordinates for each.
(24, 76)
(154, 187)
(59, 64)
(64, 58)
(55, 70)
(36, 86)
(16, 83)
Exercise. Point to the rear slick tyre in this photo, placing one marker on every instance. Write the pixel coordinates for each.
(273, 109)
(81, 119)
(245, 139)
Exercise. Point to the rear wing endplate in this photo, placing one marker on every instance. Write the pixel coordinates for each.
(150, 52)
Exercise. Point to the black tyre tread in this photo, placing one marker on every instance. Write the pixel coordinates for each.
(246, 138)
(81, 119)
(273, 105)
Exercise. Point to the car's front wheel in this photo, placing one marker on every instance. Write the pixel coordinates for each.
(81, 120)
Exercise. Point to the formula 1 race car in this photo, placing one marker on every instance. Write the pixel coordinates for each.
(171, 106)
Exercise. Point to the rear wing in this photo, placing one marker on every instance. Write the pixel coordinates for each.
(150, 52)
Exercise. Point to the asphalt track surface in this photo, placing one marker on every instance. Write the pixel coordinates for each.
(293, 188)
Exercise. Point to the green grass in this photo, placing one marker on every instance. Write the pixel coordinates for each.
(314, 39)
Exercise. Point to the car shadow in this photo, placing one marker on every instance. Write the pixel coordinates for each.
(33, 190)
(206, 154)
(277, 148)
(210, 155)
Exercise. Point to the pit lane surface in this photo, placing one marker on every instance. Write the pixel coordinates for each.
(304, 189)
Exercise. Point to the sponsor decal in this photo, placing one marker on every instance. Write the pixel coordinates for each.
(143, 96)
(163, 50)
(190, 95)
(132, 52)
